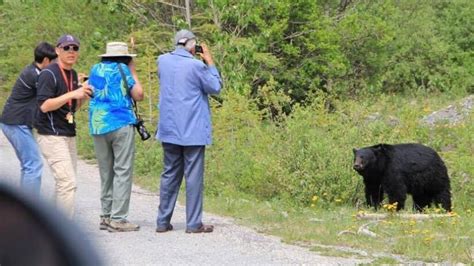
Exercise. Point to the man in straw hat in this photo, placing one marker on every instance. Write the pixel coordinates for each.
(185, 127)
(111, 122)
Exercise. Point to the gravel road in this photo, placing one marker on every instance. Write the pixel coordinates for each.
(229, 244)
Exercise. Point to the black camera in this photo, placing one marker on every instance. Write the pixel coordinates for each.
(141, 129)
(198, 49)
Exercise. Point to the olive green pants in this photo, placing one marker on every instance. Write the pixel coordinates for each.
(115, 152)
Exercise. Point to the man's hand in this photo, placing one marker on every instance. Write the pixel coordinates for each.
(83, 92)
(206, 55)
(81, 77)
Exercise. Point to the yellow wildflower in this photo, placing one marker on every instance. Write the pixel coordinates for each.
(452, 214)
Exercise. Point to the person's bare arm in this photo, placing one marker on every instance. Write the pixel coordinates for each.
(56, 103)
(137, 90)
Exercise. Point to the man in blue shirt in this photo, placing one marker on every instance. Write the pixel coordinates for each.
(184, 127)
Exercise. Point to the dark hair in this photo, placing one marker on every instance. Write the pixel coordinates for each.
(118, 59)
(43, 50)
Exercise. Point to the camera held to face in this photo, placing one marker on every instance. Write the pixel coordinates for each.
(140, 125)
(198, 49)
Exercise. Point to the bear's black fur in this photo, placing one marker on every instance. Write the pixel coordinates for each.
(400, 169)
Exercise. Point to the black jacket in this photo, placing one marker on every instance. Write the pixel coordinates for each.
(21, 106)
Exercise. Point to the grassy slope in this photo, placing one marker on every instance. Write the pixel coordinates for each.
(325, 215)
(320, 221)
(267, 176)
(257, 158)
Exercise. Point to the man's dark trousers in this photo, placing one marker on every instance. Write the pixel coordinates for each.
(182, 161)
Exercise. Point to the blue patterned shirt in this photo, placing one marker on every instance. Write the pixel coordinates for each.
(111, 107)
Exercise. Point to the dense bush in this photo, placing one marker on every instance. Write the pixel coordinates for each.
(310, 152)
(301, 78)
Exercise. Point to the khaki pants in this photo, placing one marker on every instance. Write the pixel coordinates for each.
(61, 154)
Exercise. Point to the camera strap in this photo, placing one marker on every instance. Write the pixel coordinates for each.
(124, 79)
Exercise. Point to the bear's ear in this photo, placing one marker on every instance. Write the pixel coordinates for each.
(378, 147)
(381, 148)
(354, 150)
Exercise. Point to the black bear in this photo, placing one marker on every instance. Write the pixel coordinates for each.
(400, 169)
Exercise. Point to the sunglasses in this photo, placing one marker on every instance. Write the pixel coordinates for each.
(71, 47)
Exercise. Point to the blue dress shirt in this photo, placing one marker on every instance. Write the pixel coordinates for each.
(185, 82)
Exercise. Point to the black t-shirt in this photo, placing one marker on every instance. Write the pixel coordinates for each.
(51, 84)
(21, 106)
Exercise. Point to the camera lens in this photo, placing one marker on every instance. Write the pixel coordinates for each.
(144, 135)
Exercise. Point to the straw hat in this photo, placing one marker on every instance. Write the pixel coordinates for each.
(114, 49)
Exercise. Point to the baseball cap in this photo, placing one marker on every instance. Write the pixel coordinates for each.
(183, 36)
(67, 39)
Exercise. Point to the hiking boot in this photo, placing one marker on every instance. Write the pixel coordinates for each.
(202, 229)
(104, 223)
(122, 226)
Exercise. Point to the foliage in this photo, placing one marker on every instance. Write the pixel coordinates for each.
(310, 152)
(367, 47)
(26, 23)
(305, 82)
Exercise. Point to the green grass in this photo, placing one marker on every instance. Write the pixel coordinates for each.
(266, 173)
(294, 179)
(448, 239)
(267, 176)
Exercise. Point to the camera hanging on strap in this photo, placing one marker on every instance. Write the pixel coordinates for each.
(140, 125)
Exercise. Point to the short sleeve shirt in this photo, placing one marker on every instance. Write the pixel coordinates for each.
(51, 84)
(111, 107)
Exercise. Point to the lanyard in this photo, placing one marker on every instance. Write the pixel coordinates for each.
(68, 84)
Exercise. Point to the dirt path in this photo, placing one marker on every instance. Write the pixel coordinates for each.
(229, 244)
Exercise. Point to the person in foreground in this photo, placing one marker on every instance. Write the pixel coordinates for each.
(184, 127)
(111, 118)
(59, 97)
(18, 116)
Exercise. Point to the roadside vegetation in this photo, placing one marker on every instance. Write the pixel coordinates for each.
(305, 82)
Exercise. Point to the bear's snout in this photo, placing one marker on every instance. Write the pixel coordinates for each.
(358, 166)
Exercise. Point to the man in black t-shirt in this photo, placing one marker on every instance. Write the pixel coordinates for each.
(59, 97)
(18, 114)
